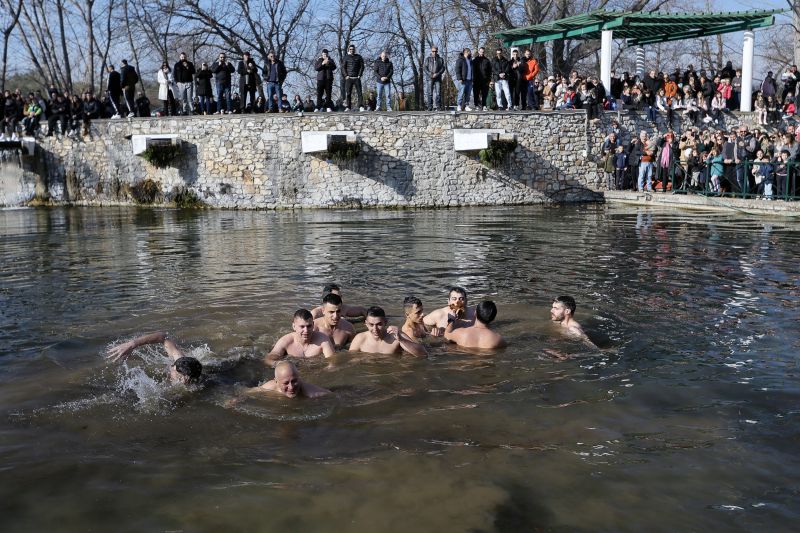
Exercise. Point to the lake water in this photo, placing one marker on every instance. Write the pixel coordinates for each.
(687, 420)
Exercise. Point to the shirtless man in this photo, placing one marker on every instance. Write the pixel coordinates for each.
(414, 326)
(352, 311)
(382, 339)
(288, 383)
(184, 370)
(303, 341)
(479, 335)
(332, 324)
(562, 311)
(456, 309)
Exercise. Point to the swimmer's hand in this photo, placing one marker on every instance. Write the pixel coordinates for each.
(437, 332)
(120, 351)
(392, 330)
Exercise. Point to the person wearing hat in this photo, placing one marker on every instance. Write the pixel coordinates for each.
(325, 66)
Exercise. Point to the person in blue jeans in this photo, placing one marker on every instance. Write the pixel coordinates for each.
(223, 69)
(464, 77)
(646, 169)
(384, 69)
(274, 74)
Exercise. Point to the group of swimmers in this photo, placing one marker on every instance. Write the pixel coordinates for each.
(326, 329)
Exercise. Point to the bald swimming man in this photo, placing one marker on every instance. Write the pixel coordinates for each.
(287, 383)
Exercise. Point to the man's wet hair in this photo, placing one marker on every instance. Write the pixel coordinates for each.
(376, 312)
(460, 290)
(303, 314)
(332, 298)
(567, 301)
(329, 288)
(189, 367)
(410, 302)
(486, 311)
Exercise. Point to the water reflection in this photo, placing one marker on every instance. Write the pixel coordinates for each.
(691, 405)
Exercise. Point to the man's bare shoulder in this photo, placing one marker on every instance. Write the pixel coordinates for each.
(316, 312)
(319, 338)
(345, 325)
(320, 324)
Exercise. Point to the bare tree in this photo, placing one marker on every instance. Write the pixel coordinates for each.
(12, 10)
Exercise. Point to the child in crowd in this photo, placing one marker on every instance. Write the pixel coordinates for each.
(716, 168)
(620, 166)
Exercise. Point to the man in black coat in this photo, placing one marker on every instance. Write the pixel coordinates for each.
(114, 90)
(516, 81)
(384, 69)
(482, 75)
(129, 78)
(274, 75)
(183, 74)
(500, 74)
(353, 70)
(434, 68)
(248, 80)
(59, 112)
(223, 69)
(142, 105)
(324, 65)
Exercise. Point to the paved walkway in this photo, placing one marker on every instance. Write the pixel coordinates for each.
(760, 207)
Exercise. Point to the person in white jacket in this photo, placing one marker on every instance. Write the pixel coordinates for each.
(166, 90)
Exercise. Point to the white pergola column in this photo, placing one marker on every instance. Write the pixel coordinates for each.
(640, 62)
(747, 72)
(606, 40)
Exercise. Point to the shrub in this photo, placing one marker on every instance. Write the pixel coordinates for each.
(185, 198)
(496, 153)
(145, 192)
(342, 150)
(161, 155)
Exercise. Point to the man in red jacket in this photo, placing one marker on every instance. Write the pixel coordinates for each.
(531, 69)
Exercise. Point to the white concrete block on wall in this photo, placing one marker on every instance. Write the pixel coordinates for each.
(140, 142)
(474, 139)
(318, 141)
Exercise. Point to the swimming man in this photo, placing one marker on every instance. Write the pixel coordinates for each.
(562, 312)
(456, 308)
(479, 335)
(331, 322)
(288, 383)
(414, 325)
(382, 339)
(303, 341)
(184, 370)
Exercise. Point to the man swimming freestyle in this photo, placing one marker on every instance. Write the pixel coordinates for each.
(479, 335)
(184, 370)
(303, 341)
(382, 339)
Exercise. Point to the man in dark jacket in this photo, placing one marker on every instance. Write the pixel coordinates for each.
(129, 78)
(434, 68)
(383, 72)
(464, 76)
(516, 81)
(482, 74)
(274, 75)
(114, 90)
(500, 72)
(353, 68)
(183, 74)
(142, 105)
(653, 82)
(59, 112)
(248, 80)
(204, 92)
(223, 69)
(324, 65)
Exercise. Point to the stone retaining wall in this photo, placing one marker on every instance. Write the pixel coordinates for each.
(255, 161)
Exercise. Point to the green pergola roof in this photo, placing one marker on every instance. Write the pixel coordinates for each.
(640, 28)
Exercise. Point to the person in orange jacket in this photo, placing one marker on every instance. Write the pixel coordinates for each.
(531, 71)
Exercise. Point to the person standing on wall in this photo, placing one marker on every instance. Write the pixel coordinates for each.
(531, 70)
(500, 73)
(248, 73)
(204, 92)
(129, 79)
(114, 89)
(223, 69)
(516, 81)
(482, 74)
(325, 66)
(274, 74)
(353, 70)
(384, 69)
(464, 77)
(434, 68)
(183, 74)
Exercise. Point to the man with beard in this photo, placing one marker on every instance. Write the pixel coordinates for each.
(456, 308)
(562, 312)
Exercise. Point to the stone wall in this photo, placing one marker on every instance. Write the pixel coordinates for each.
(255, 161)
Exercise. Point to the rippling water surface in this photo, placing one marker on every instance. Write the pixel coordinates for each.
(687, 420)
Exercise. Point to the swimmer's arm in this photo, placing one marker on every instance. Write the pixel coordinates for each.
(355, 345)
(410, 345)
(172, 349)
(279, 350)
(431, 319)
(450, 332)
(121, 351)
(327, 348)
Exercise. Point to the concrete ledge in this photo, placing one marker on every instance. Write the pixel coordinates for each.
(319, 141)
(141, 142)
(475, 139)
(760, 207)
